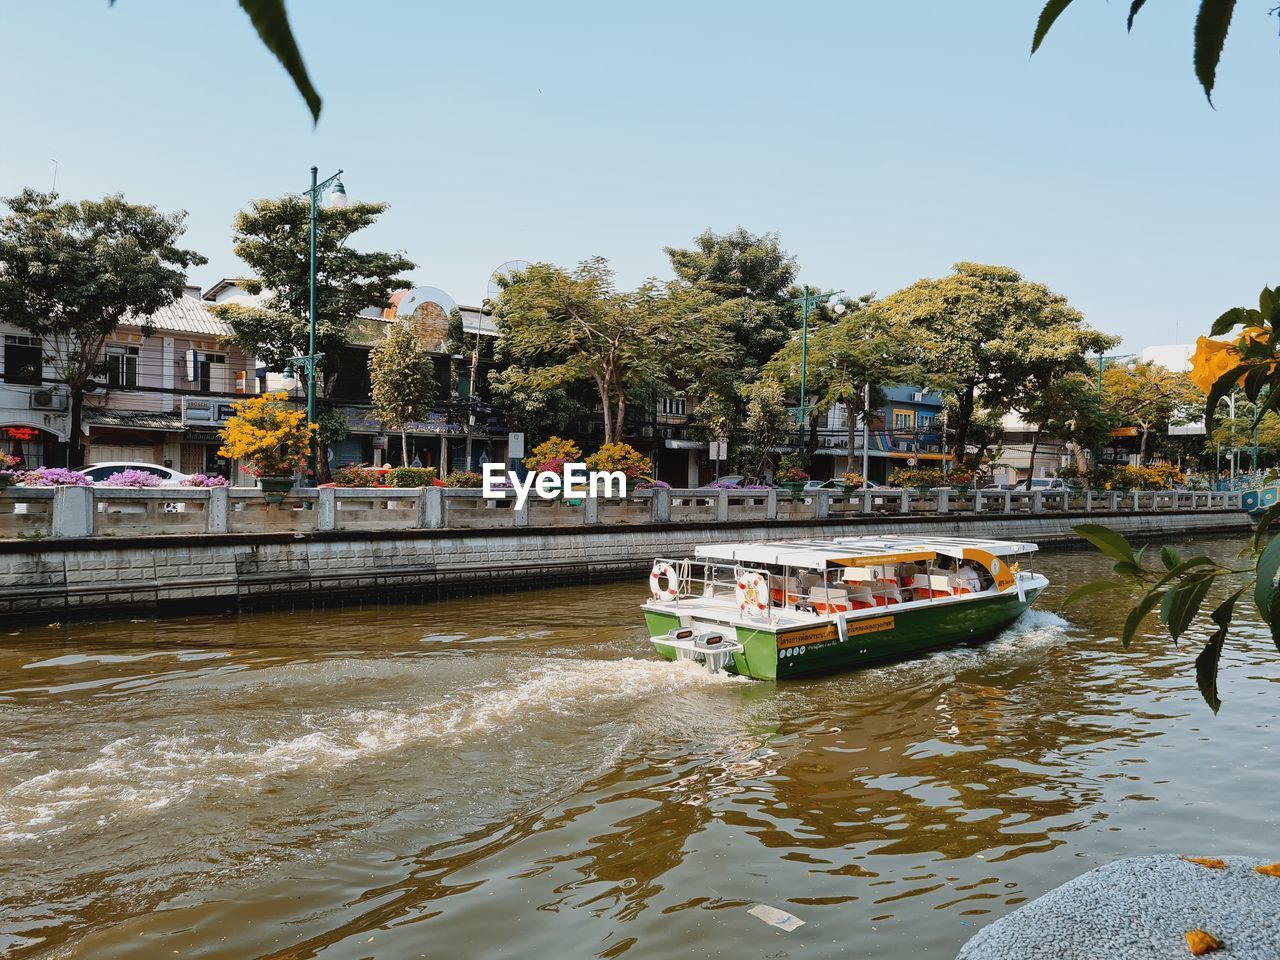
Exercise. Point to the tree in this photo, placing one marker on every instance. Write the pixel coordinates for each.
(1067, 409)
(746, 281)
(71, 271)
(766, 426)
(404, 382)
(561, 327)
(1212, 23)
(1149, 397)
(849, 361)
(995, 331)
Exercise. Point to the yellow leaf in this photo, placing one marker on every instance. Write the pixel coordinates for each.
(1270, 870)
(1200, 942)
(1213, 863)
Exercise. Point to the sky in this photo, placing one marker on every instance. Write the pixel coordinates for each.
(883, 141)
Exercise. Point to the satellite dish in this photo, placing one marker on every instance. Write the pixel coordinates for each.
(504, 272)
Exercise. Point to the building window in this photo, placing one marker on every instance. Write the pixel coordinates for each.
(928, 422)
(673, 406)
(213, 372)
(22, 360)
(903, 421)
(122, 366)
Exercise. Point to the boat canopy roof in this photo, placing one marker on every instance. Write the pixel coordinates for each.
(857, 551)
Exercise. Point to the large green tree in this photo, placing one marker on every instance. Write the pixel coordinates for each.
(272, 238)
(848, 362)
(1149, 397)
(983, 332)
(562, 327)
(403, 376)
(1067, 409)
(71, 271)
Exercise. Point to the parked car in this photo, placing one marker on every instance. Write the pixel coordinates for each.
(838, 484)
(169, 477)
(728, 481)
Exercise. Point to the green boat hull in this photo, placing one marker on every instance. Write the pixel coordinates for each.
(770, 655)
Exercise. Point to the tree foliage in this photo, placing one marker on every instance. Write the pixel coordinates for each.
(983, 333)
(766, 427)
(71, 271)
(404, 382)
(273, 238)
(1212, 23)
(1067, 409)
(1149, 397)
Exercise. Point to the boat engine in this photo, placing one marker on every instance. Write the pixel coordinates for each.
(711, 648)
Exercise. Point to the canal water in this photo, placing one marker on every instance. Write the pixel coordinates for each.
(516, 776)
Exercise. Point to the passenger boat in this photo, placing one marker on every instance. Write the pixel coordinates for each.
(778, 609)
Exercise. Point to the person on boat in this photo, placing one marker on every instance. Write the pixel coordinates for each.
(969, 577)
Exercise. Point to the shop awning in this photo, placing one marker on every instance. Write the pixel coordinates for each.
(684, 444)
(164, 422)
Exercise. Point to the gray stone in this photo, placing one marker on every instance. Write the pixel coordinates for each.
(1141, 909)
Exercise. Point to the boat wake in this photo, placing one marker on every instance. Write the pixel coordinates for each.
(218, 752)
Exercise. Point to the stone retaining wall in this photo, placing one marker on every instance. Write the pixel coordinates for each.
(102, 577)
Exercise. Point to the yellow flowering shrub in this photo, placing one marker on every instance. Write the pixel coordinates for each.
(620, 456)
(557, 451)
(271, 435)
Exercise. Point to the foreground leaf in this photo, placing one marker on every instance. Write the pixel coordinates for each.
(1211, 33)
(1097, 586)
(1200, 942)
(1182, 603)
(1139, 613)
(272, 23)
(1107, 540)
(1133, 12)
(1209, 658)
(1052, 10)
(1265, 595)
(1213, 863)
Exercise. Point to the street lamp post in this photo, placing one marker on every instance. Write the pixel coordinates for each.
(310, 362)
(808, 300)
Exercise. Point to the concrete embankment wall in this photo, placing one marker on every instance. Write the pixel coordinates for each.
(101, 577)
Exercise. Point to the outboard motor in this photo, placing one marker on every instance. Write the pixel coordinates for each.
(711, 648)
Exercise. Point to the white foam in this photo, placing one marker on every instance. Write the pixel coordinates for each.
(137, 774)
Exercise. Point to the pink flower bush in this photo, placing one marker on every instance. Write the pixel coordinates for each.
(204, 480)
(54, 477)
(132, 478)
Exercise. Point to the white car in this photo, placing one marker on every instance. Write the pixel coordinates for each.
(169, 477)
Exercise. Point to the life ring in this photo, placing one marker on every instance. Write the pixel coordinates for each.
(663, 571)
(752, 592)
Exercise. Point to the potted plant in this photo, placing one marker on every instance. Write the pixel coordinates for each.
(790, 475)
(852, 482)
(8, 475)
(273, 437)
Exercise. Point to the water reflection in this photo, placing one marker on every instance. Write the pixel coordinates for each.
(518, 777)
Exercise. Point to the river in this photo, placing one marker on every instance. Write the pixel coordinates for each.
(516, 776)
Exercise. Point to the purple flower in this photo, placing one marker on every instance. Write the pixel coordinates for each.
(653, 485)
(132, 478)
(757, 486)
(725, 485)
(54, 477)
(204, 480)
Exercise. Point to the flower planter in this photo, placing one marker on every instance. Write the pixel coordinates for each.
(796, 487)
(275, 489)
(6, 480)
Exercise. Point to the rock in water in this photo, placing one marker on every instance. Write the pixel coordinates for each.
(1142, 909)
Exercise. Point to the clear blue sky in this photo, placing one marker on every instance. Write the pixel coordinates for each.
(884, 141)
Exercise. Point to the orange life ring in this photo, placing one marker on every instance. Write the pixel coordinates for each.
(663, 571)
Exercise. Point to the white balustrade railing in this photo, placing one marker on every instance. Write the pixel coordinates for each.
(61, 512)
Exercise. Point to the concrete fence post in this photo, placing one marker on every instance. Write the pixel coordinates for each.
(722, 505)
(906, 501)
(822, 504)
(590, 510)
(1088, 501)
(1136, 496)
(977, 500)
(1008, 501)
(219, 507)
(72, 512)
(1037, 501)
(866, 501)
(660, 505)
(431, 508)
(326, 508)
(944, 500)
(771, 505)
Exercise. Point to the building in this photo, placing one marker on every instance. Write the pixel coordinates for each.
(160, 398)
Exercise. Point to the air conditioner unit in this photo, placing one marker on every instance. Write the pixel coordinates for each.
(44, 398)
(917, 398)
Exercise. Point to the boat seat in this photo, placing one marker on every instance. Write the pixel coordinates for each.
(886, 593)
(925, 586)
(827, 600)
(784, 591)
(861, 598)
